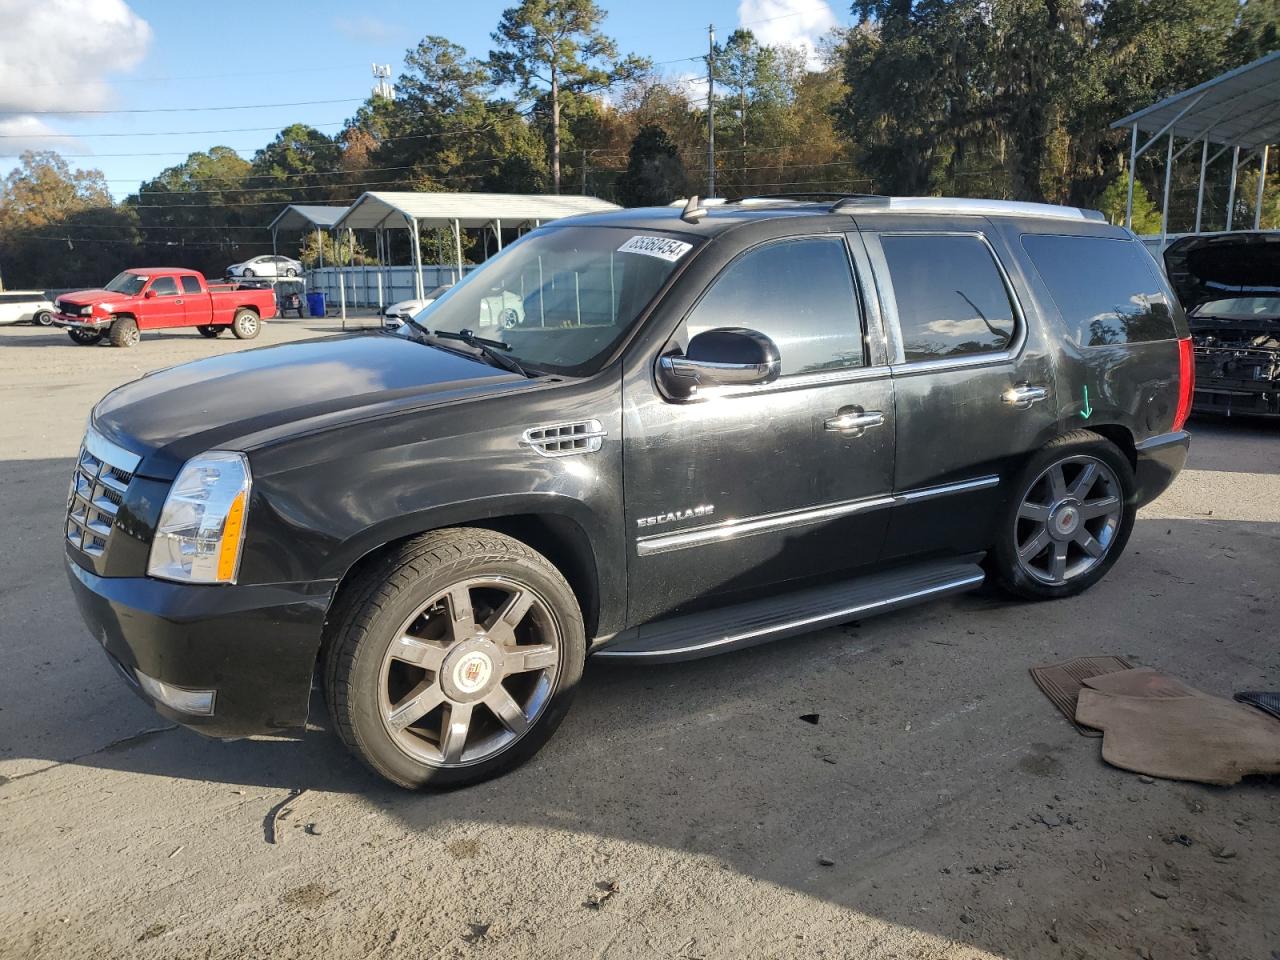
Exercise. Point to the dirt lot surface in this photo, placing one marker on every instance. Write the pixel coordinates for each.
(939, 807)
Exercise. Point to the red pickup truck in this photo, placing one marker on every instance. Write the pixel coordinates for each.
(155, 298)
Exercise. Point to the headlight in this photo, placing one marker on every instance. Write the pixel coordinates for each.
(201, 527)
(86, 311)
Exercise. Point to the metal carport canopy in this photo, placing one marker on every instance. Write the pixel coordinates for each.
(376, 210)
(301, 216)
(1239, 109)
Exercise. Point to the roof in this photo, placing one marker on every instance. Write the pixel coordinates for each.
(1239, 108)
(389, 209)
(302, 216)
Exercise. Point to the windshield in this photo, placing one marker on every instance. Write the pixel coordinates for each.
(562, 297)
(127, 283)
(1264, 308)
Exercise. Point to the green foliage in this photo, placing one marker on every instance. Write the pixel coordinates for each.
(1115, 200)
(321, 246)
(654, 173)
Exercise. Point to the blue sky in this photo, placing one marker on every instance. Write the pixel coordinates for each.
(175, 54)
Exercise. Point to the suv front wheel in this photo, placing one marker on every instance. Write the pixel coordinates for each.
(1068, 519)
(453, 659)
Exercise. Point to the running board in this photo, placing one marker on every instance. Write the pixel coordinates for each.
(709, 632)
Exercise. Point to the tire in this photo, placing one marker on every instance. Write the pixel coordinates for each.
(1067, 519)
(247, 274)
(410, 592)
(86, 338)
(42, 318)
(246, 324)
(210, 331)
(290, 272)
(125, 332)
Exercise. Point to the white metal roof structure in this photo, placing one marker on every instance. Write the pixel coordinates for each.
(380, 211)
(1236, 111)
(303, 217)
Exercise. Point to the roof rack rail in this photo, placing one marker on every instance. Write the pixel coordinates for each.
(969, 206)
(834, 195)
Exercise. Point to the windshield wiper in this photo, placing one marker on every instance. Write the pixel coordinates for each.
(489, 348)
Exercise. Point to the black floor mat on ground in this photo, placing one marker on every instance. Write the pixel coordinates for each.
(1264, 701)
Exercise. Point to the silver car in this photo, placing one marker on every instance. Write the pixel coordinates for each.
(267, 265)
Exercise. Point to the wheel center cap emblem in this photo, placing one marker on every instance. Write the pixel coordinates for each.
(1068, 517)
(472, 671)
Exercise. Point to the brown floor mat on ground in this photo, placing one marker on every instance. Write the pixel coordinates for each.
(1157, 725)
(1061, 682)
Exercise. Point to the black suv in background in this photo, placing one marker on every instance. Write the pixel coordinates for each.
(649, 434)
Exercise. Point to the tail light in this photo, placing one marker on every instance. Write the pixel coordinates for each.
(1186, 382)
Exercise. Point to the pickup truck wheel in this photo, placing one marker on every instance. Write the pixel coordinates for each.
(125, 333)
(43, 318)
(454, 659)
(209, 331)
(86, 337)
(245, 325)
(1068, 518)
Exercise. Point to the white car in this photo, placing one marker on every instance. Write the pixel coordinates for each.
(266, 266)
(26, 306)
(397, 313)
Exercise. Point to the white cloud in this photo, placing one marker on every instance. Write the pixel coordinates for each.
(57, 55)
(364, 28)
(792, 23)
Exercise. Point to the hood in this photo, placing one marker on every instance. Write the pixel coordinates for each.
(82, 298)
(1221, 265)
(239, 400)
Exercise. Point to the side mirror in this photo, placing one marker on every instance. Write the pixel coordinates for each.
(148, 295)
(727, 357)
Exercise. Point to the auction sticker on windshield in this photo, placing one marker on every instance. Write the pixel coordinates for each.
(663, 248)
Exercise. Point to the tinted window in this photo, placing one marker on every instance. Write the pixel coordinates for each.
(1106, 290)
(190, 285)
(952, 301)
(800, 294)
(165, 287)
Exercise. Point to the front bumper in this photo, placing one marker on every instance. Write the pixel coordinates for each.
(255, 646)
(1159, 459)
(85, 323)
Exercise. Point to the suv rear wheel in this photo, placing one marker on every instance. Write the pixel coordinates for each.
(454, 659)
(245, 325)
(124, 332)
(1068, 519)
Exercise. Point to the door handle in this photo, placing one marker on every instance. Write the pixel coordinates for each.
(178, 302)
(1024, 395)
(853, 420)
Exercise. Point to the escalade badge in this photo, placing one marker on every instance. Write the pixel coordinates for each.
(705, 510)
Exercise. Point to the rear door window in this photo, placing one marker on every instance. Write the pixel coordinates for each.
(165, 287)
(952, 300)
(190, 285)
(798, 293)
(1106, 290)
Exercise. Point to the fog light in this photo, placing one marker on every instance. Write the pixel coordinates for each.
(198, 703)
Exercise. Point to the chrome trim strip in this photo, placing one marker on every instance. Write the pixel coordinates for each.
(110, 453)
(733, 529)
(972, 580)
(1162, 440)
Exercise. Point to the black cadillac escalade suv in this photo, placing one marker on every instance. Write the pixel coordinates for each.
(650, 434)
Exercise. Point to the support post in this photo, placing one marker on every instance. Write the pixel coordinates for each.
(1164, 207)
(1231, 191)
(457, 246)
(498, 231)
(273, 241)
(416, 253)
(1204, 162)
(1133, 163)
(711, 110)
(342, 293)
(1262, 184)
(320, 247)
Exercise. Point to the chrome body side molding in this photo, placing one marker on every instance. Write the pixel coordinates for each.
(750, 526)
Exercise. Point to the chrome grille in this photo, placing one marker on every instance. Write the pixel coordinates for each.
(565, 439)
(97, 490)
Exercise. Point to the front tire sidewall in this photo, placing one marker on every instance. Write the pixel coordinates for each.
(1009, 572)
(361, 674)
(246, 325)
(125, 333)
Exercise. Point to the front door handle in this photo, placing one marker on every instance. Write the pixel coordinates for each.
(1024, 395)
(853, 420)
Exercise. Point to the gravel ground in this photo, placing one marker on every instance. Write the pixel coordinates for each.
(940, 807)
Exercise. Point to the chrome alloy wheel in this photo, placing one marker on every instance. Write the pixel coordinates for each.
(1068, 519)
(470, 672)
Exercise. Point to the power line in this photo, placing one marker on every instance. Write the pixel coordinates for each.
(158, 133)
(205, 76)
(239, 106)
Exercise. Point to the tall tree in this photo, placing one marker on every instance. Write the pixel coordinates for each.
(43, 188)
(554, 47)
(654, 173)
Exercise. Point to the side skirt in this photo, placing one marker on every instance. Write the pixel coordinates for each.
(710, 632)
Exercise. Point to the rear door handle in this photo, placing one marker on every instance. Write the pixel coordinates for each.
(853, 420)
(1024, 395)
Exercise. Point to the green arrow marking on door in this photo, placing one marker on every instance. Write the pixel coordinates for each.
(1087, 412)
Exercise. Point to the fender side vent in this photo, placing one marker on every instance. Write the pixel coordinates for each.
(565, 439)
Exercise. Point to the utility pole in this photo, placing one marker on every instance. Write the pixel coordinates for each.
(711, 110)
(584, 173)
